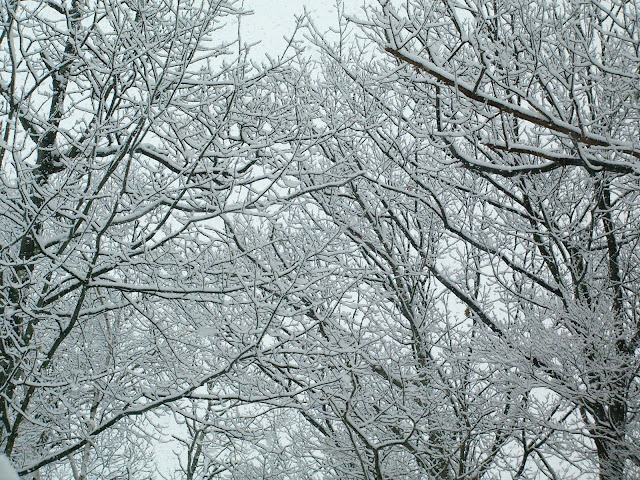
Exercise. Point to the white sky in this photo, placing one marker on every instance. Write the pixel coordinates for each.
(6, 470)
(274, 19)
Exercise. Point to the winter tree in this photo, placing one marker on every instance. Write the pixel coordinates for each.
(417, 258)
(133, 136)
(496, 206)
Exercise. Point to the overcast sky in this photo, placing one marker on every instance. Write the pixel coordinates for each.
(274, 19)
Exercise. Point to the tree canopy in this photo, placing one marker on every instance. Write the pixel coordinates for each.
(412, 254)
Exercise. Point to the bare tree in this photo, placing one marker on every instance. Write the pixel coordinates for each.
(130, 137)
(497, 161)
(417, 261)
